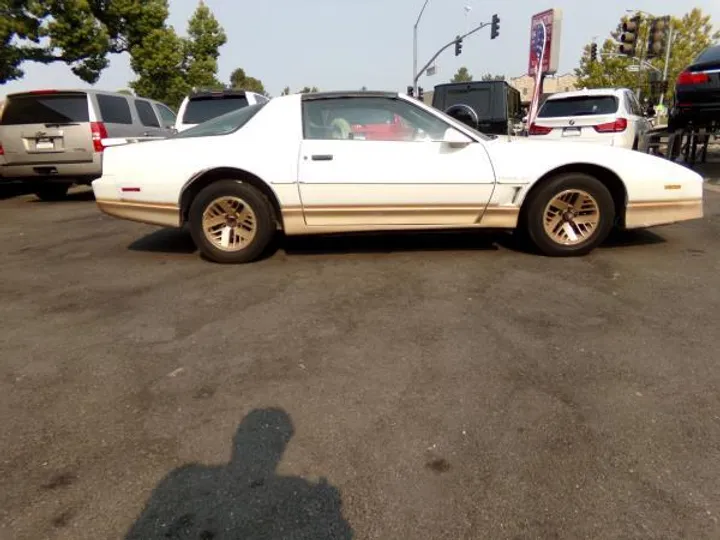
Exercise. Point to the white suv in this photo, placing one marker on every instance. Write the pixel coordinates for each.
(201, 106)
(610, 116)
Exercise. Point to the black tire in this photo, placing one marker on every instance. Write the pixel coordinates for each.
(51, 192)
(534, 214)
(263, 222)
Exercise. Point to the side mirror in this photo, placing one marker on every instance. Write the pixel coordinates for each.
(455, 139)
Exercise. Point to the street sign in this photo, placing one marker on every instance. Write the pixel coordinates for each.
(432, 70)
(552, 18)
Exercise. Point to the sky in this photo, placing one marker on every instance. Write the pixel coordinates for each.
(345, 45)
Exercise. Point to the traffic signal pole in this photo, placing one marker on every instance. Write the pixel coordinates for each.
(442, 49)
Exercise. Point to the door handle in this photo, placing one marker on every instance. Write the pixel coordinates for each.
(322, 157)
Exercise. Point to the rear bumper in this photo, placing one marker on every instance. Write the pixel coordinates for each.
(700, 114)
(650, 213)
(82, 173)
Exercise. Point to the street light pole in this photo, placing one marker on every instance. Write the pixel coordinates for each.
(667, 62)
(415, 46)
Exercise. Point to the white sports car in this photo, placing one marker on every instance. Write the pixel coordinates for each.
(372, 161)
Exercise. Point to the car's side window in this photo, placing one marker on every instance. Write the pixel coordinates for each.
(146, 113)
(369, 119)
(114, 109)
(168, 117)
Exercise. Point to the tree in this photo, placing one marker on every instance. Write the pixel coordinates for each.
(462, 75)
(286, 91)
(202, 48)
(169, 66)
(240, 81)
(491, 77)
(79, 33)
(126, 91)
(691, 35)
(308, 90)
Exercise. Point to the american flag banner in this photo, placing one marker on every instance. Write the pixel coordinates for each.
(538, 45)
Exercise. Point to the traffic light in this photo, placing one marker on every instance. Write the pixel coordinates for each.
(628, 39)
(410, 91)
(495, 27)
(421, 93)
(593, 52)
(458, 46)
(657, 37)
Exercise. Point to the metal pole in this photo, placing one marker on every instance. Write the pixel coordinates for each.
(415, 46)
(667, 62)
(641, 59)
(419, 73)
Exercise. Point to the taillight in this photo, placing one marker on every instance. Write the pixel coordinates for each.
(98, 134)
(687, 77)
(539, 130)
(2, 150)
(612, 127)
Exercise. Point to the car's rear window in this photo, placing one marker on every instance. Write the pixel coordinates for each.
(45, 109)
(222, 125)
(202, 109)
(579, 106)
(709, 56)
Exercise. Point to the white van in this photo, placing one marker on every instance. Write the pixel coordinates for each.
(204, 105)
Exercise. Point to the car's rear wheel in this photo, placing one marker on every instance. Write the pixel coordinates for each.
(52, 192)
(231, 222)
(569, 215)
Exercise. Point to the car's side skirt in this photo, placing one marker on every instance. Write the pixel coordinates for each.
(395, 217)
(650, 213)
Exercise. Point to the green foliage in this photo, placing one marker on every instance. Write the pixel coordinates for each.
(126, 91)
(202, 48)
(308, 90)
(691, 35)
(240, 81)
(286, 91)
(80, 33)
(462, 75)
(168, 66)
(491, 77)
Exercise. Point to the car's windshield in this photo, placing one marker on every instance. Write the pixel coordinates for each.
(579, 106)
(709, 56)
(202, 109)
(46, 109)
(223, 125)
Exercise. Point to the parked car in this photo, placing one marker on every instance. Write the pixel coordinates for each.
(203, 105)
(239, 178)
(609, 116)
(54, 138)
(697, 93)
(493, 107)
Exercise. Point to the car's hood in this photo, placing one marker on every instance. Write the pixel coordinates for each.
(520, 161)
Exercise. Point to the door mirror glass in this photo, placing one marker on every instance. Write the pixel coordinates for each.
(454, 138)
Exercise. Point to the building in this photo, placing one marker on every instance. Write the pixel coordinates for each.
(561, 83)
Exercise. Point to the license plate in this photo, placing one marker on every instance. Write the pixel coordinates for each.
(571, 132)
(44, 144)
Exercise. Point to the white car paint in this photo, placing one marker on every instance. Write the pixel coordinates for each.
(582, 128)
(381, 185)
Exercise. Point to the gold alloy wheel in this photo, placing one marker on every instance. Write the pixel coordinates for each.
(229, 223)
(571, 217)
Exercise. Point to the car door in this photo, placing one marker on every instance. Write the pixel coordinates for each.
(148, 119)
(637, 117)
(406, 175)
(114, 112)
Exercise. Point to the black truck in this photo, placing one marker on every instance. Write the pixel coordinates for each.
(492, 107)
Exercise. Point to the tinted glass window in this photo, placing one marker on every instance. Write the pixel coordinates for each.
(46, 109)
(223, 125)
(168, 117)
(146, 114)
(579, 106)
(114, 109)
(370, 119)
(711, 55)
(202, 109)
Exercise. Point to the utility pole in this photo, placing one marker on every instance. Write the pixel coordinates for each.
(415, 46)
(667, 62)
(458, 39)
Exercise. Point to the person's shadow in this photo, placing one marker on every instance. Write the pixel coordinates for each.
(245, 499)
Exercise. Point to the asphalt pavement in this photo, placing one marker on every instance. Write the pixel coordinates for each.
(407, 386)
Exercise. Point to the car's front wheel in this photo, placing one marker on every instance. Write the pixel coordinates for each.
(231, 222)
(52, 192)
(569, 215)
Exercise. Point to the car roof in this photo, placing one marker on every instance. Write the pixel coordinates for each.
(93, 91)
(588, 92)
(347, 94)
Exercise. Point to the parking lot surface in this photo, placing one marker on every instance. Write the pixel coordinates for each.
(407, 386)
